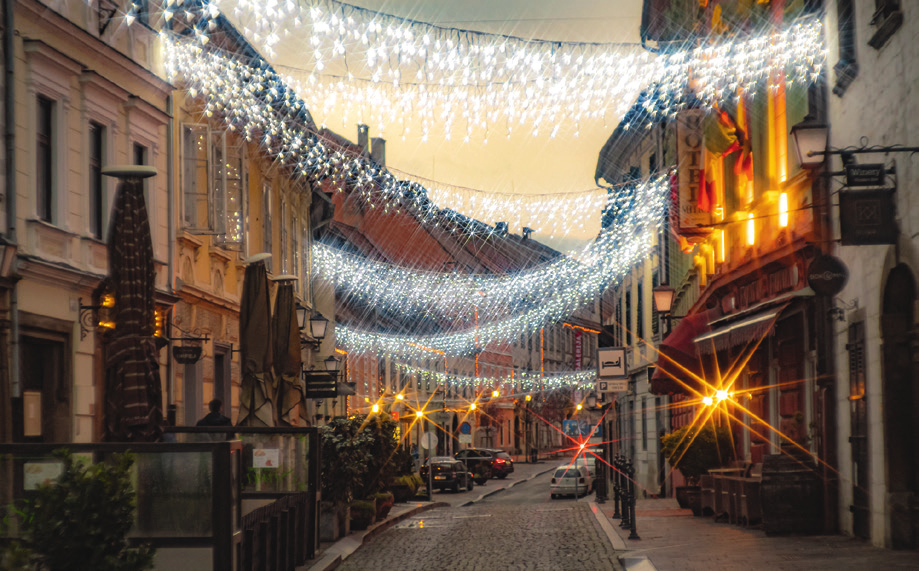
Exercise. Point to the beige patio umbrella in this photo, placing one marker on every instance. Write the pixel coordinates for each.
(258, 386)
(287, 359)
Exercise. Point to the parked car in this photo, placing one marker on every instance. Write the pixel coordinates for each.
(570, 480)
(448, 473)
(502, 464)
(479, 461)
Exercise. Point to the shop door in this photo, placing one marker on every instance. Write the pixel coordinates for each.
(858, 438)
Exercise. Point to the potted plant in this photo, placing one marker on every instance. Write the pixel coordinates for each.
(385, 501)
(363, 514)
(693, 451)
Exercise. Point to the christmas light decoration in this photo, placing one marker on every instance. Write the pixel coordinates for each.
(528, 383)
(261, 106)
(637, 215)
(402, 289)
(387, 70)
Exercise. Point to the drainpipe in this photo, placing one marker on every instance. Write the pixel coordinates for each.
(9, 119)
(171, 242)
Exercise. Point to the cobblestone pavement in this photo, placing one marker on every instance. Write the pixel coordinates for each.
(484, 537)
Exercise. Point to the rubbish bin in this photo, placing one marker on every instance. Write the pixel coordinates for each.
(533, 455)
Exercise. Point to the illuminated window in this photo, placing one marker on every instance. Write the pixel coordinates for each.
(783, 210)
(751, 230)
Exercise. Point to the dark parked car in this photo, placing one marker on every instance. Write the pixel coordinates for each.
(486, 462)
(448, 473)
(503, 464)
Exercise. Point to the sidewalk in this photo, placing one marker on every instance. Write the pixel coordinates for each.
(671, 538)
(330, 555)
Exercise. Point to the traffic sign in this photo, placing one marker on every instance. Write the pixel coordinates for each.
(428, 440)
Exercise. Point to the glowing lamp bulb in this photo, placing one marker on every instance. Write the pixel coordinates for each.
(376, 408)
(399, 397)
(494, 393)
(582, 446)
(472, 406)
(579, 407)
(722, 395)
(528, 398)
(707, 400)
(419, 414)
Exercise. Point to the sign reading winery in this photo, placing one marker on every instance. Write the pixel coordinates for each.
(186, 355)
(865, 175)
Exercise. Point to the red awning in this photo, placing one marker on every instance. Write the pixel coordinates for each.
(678, 354)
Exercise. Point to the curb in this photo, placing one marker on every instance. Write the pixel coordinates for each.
(349, 545)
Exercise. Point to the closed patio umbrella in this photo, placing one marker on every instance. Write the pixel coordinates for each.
(258, 387)
(133, 394)
(287, 360)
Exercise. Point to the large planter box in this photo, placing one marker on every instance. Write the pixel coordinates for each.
(334, 521)
(690, 498)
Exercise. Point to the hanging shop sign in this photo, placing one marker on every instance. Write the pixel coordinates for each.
(186, 355)
(867, 217)
(827, 275)
(865, 175)
(690, 147)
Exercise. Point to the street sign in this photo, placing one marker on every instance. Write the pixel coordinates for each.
(865, 175)
(465, 439)
(428, 440)
(611, 363)
(615, 386)
(465, 428)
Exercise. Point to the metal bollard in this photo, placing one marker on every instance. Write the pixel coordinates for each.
(616, 490)
(632, 499)
(625, 522)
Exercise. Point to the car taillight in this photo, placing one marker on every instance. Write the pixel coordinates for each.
(453, 474)
(499, 460)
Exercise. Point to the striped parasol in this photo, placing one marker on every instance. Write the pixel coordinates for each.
(133, 393)
(258, 387)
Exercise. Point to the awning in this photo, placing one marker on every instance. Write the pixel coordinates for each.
(679, 362)
(745, 326)
(738, 329)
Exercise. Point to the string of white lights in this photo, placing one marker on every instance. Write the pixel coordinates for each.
(627, 241)
(260, 105)
(404, 289)
(392, 70)
(522, 380)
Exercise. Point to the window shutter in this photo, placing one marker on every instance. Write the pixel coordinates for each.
(231, 219)
(195, 180)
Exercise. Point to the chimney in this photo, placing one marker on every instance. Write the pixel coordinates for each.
(378, 151)
(501, 228)
(526, 232)
(363, 137)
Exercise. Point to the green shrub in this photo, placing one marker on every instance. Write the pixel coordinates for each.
(80, 521)
(694, 451)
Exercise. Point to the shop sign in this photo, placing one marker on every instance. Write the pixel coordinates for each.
(867, 217)
(827, 275)
(865, 175)
(186, 355)
(690, 151)
(611, 363)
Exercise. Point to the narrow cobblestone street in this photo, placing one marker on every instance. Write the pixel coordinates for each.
(486, 536)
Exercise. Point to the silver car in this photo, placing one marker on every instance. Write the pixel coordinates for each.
(570, 480)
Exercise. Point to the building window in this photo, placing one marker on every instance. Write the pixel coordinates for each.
(44, 167)
(628, 318)
(266, 223)
(640, 312)
(96, 186)
(644, 424)
(282, 232)
(847, 67)
(655, 318)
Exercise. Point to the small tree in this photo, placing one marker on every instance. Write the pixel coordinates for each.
(694, 451)
(80, 522)
(358, 457)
